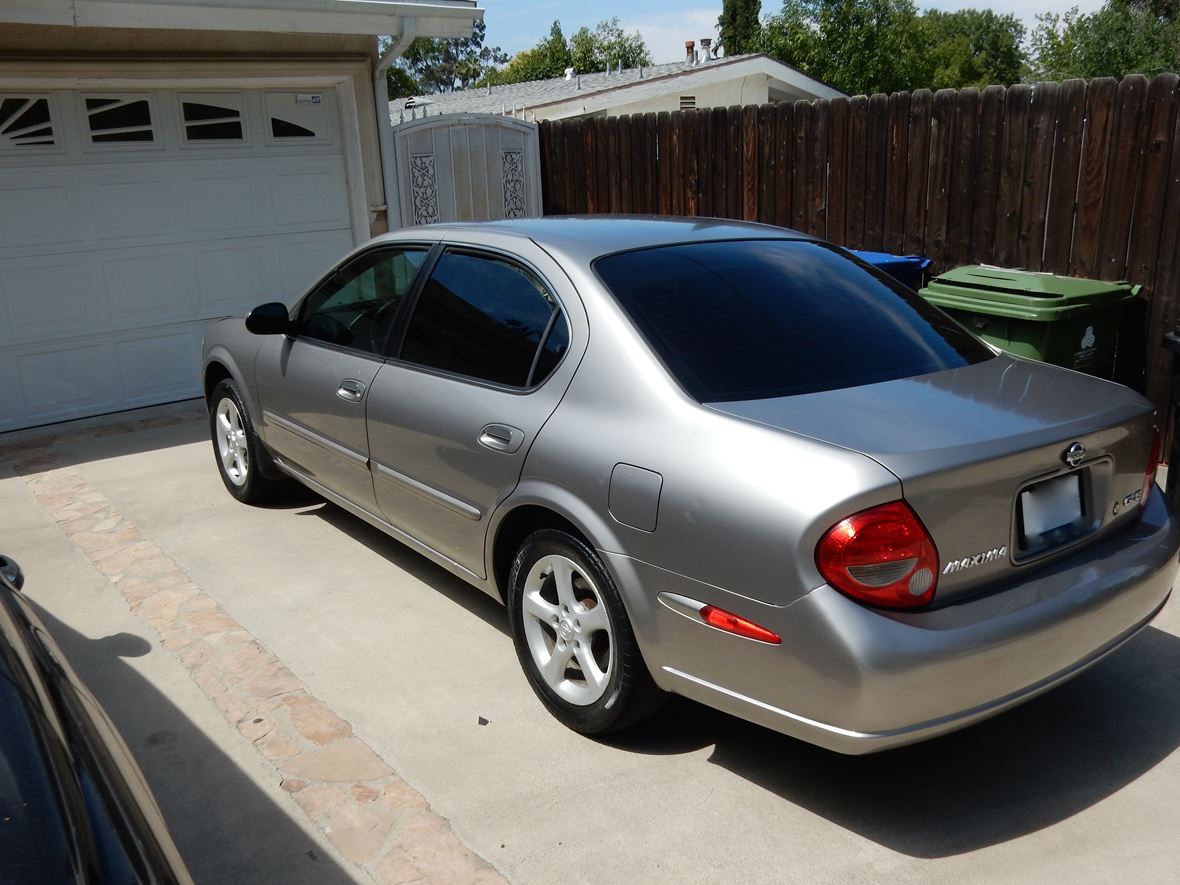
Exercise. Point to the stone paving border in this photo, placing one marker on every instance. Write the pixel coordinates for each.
(373, 817)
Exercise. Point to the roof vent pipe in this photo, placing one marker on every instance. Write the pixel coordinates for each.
(569, 73)
(689, 46)
(706, 42)
(579, 79)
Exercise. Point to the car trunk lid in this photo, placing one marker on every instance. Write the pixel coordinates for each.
(983, 456)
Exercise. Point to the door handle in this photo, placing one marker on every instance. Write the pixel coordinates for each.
(350, 389)
(501, 438)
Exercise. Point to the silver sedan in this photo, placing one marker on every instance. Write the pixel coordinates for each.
(720, 460)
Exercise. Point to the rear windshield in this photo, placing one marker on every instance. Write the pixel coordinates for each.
(751, 319)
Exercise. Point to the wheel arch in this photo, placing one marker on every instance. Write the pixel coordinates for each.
(220, 365)
(537, 505)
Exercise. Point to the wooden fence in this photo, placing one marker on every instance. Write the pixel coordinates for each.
(1078, 178)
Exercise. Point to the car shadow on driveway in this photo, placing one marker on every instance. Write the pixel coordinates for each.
(414, 564)
(999, 780)
(1004, 778)
(226, 828)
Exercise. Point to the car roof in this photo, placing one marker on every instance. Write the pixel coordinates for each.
(586, 237)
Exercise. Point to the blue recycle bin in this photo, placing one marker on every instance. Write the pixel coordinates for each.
(907, 269)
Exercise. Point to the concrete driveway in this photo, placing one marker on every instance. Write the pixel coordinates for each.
(311, 701)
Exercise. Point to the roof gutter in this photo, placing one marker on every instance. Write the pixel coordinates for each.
(384, 123)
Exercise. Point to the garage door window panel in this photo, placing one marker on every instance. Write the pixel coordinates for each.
(120, 120)
(211, 119)
(25, 122)
(483, 318)
(296, 117)
(358, 305)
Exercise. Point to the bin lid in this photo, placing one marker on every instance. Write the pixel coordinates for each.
(985, 278)
(887, 259)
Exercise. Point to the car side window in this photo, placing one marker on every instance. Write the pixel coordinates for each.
(356, 306)
(484, 317)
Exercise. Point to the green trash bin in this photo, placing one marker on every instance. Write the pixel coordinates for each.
(1061, 320)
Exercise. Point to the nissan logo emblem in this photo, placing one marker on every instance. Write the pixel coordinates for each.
(1074, 454)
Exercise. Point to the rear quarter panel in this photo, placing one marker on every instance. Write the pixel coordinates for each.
(741, 506)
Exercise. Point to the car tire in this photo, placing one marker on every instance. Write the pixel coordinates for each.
(242, 461)
(573, 637)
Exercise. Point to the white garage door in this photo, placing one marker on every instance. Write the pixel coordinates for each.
(130, 220)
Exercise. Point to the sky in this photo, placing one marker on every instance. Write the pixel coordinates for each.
(514, 25)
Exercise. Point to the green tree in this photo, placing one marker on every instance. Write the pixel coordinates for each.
(857, 46)
(972, 47)
(400, 83)
(1123, 37)
(738, 27)
(607, 46)
(549, 58)
(438, 65)
(586, 51)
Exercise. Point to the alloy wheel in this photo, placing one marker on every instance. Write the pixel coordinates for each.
(567, 630)
(232, 446)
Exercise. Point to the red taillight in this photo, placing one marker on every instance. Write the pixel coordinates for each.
(882, 556)
(736, 624)
(1153, 463)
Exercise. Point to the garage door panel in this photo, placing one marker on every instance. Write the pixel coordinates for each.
(150, 370)
(66, 381)
(308, 195)
(11, 403)
(304, 261)
(39, 210)
(234, 278)
(42, 299)
(227, 203)
(139, 208)
(149, 289)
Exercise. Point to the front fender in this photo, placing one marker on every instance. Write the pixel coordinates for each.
(229, 345)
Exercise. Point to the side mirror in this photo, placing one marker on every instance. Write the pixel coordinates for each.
(11, 572)
(271, 318)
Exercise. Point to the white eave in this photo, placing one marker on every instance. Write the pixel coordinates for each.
(780, 75)
(435, 18)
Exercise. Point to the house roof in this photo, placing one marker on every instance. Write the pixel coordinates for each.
(606, 88)
(437, 18)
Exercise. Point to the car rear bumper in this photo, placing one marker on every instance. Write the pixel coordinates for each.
(859, 680)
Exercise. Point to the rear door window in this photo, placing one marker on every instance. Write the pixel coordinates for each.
(484, 318)
(752, 319)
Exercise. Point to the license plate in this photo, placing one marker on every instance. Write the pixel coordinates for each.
(1051, 505)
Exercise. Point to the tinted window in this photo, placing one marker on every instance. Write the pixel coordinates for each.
(761, 318)
(557, 342)
(480, 317)
(357, 305)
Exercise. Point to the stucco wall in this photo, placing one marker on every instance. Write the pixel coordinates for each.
(752, 89)
(739, 91)
(48, 56)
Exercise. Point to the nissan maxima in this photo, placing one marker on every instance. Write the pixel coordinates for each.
(721, 460)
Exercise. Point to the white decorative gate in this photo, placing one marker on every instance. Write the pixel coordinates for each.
(469, 167)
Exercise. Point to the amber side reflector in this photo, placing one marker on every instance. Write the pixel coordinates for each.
(737, 625)
(1153, 463)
